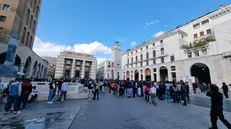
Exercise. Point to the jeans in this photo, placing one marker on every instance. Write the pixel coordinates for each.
(96, 94)
(63, 94)
(129, 92)
(10, 100)
(23, 99)
(90, 94)
(153, 97)
(147, 95)
(167, 95)
(134, 92)
(51, 93)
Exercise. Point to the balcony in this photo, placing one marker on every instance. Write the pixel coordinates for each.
(199, 43)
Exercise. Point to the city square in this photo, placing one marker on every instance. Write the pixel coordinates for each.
(115, 65)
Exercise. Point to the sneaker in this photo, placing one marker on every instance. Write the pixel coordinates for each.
(6, 112)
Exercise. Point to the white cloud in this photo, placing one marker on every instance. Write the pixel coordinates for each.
(158, 34)
(100, 60)
(150, 23)
(53, 49)
(133, 44)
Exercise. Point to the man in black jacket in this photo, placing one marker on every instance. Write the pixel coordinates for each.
(216, 107)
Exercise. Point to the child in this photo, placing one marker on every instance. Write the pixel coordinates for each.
(34, 94)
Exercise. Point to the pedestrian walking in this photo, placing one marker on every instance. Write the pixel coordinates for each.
(26, 90)
(225, 90)
(15, 89)
(153, 94)
(96, 91)
(90, 88)
(184, 93)
(216, 107)
(167, 91)
(64, 88)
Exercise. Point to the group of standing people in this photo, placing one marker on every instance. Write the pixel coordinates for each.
(57, 91)
(17, 92)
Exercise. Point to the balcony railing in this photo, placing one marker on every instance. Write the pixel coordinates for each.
(199, 43)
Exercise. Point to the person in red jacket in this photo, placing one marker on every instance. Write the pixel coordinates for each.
(26, 90)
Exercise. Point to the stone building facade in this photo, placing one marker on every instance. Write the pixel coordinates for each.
(72, 65)
(21, 17)
(200, 48)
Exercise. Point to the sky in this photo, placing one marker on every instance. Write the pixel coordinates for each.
(92, 27)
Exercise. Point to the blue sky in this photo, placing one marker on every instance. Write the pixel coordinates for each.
(105, 21)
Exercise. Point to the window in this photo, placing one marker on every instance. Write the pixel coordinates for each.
(141, 57)
(31, 21)
(147, 63)
(146, 47)
(162, 51)
(141, 49)
(147, 56)
(154, 61)
(37, 11)
(161, 41)
(153, 44)
(189, 54)
(174, 76)
(128, 61)
(154, 69)
(27, 38)
(30, 42)
(162, 59)
(23, 35)
(27, 16)
(132, 59)
(2, 18)
(173, 68)
(131, 53)
(205, 22)
(6, 7)
(196, 25)
(136, 58)
(154, 53)
(1, 30)
(172, 58)
(209, 31)
(202, 33)
(136, 51)
(182, 36)
(195, 36)
(141, 64)
(196, 53)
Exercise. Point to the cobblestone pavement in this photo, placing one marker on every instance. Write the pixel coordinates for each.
(111, 112)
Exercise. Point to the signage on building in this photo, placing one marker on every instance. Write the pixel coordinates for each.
(78, 54)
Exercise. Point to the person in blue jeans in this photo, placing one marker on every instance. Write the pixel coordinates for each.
(168, 91)
(26, 90)
(15, 89)
(51, 92)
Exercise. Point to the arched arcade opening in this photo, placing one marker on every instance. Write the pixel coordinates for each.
(201, 73)
(163, 73)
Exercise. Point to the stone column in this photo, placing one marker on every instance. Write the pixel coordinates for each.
(21, 67)
(157, 74)
(83, 70)
(73, 69)
(92, 72)
(169, 74)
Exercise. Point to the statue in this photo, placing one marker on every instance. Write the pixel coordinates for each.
(11, 50)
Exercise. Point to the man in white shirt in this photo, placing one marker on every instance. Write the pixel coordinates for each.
(64, 89)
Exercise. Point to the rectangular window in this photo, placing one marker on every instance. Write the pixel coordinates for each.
(154, 69)
(154, 61)
(195, 36)
(196, 25)
(172, 58)
(189, 54)
(141, 64)
(2, 18)
(202, 33)
(136, 51)
(196, 53)
(204, 51)
(173, 68)
(161, 41)
(205, 22)
(136, 58)
(141, 49)
(182, 36)
(209, 31)
(1, 30)
(153, 44)
(162, 60)
(146, 47)
(6, 7)
(147, 62)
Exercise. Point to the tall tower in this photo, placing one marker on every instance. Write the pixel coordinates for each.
(116, 55)
(116, 61)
